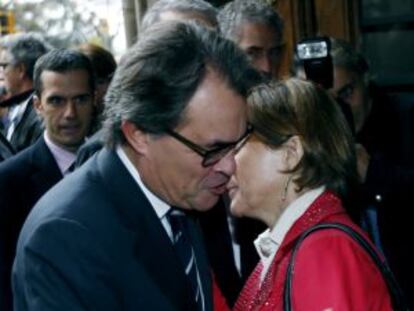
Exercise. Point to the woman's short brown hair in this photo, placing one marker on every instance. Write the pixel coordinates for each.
(279, 110)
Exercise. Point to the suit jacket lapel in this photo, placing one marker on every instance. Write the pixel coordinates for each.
(28, 129)
(6, 150)
(153, 246)
(46, 172)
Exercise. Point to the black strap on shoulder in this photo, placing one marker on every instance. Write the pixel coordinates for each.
(398, 300)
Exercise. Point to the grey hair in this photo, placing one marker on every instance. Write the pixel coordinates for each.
(160, 73)
(237, 12)
(25, 48)
(200, 7)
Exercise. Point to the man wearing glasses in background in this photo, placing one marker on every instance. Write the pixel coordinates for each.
(114, 233)
(18, 55)
(257, 28)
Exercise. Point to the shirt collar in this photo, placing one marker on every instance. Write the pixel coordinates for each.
(161, 208)
(268, 242)
(63, 157)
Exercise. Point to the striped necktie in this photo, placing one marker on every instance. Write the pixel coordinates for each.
(182, 245)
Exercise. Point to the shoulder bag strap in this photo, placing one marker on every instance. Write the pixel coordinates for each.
(397, 296)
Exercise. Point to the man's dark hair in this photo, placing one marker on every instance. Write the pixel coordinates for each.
(236, 12)
(158, 76)
(61, 61)
(25, 49)
(346, 56)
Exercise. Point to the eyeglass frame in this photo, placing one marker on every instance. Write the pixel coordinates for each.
(209, 154)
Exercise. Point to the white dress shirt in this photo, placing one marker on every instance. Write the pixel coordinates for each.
(160, 207)
(63, 158)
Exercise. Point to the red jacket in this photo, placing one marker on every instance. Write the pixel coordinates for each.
(332, 271)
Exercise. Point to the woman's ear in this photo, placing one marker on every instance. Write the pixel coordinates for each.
(137, 139)
(294, 151)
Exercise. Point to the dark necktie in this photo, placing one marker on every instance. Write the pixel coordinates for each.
(185, 252)
(70, 169)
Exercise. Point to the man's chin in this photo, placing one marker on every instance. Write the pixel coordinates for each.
(71, 144)
(205, 202)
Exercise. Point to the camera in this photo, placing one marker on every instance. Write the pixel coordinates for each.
(314, 55)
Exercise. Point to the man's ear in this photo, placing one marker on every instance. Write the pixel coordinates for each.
(137, 139)
(21, 71)
(294, 151)
(37, 104)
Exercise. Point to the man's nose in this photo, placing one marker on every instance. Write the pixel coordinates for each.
(265, 64)
(227, 165)
(70, 110)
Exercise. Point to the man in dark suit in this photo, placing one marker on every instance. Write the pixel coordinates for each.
(64, 97)
(387, 179)
(229, 241)
(18, 55)
(105, 238)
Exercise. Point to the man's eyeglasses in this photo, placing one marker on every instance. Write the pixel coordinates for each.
(214, 155)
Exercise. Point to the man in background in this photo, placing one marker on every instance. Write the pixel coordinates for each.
(18, 55)
(387, 181)
(184, 10)
(257, 29)
(64, 93)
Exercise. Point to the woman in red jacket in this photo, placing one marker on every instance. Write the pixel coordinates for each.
(291, 174)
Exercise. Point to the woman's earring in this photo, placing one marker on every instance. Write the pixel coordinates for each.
(285, 190)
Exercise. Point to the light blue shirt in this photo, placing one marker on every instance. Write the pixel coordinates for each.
(63, 157)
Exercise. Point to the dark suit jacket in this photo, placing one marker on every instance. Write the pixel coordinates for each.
(6, 150)
(390, 181)
(94, 242)
(219, 243)
(24, 178)
(216, 233)
(89, 148)
(28, 130)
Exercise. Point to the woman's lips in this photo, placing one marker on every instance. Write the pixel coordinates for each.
(220, 189)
